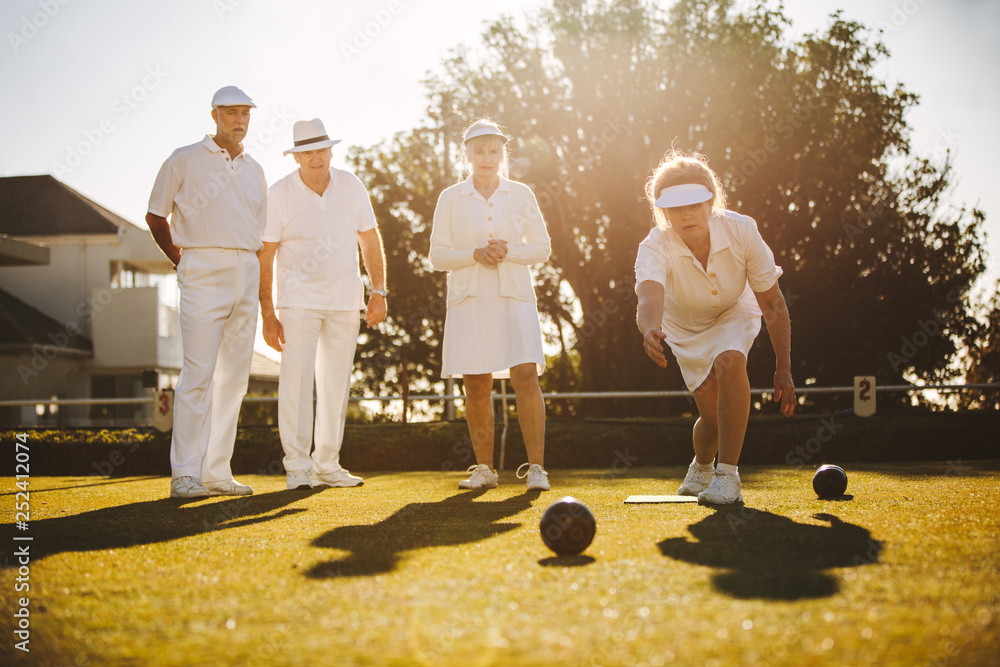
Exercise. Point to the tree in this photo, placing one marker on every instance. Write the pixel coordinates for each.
(404, 179)
(803, 134)
(983, 365)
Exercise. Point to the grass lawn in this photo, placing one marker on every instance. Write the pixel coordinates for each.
(805, 439)
(408, 570)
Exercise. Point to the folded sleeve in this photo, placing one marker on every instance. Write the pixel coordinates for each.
(366, 213)
(762, 272)
(652, 261)
(165, 188)
(275, 218)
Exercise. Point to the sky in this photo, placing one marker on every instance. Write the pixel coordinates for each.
(99, 92)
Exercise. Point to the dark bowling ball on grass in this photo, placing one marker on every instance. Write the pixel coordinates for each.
(568, 526)
(830, 481)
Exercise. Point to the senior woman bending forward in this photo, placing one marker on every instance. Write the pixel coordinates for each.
(703, 277)
(487, 231)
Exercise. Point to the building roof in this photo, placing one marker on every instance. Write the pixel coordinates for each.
(263, 367)
(20, 253)
(43, 206)
(22, 327)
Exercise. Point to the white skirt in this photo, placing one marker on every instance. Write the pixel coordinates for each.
(696, 352)
(488, 333)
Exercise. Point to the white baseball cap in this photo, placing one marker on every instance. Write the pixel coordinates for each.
(309, 135)
(231, 96)
(683, 195)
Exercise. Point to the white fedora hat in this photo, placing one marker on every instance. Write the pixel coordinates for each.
(310, 135)
(231, 96)
(683, 195)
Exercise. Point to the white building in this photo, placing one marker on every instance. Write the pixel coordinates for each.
(88, 309)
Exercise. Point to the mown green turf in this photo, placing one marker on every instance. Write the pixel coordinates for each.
(408, 570)
(585, 444)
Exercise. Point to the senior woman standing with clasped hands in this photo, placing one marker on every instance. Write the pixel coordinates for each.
(703, 277)
(487, 231)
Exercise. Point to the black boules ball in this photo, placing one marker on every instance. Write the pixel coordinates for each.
(568, 526)
(830, 481)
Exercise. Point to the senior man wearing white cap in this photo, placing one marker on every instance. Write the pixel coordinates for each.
(215, 196)
(703, 277)
(317, 216)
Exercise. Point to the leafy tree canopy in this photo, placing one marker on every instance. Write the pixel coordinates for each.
(808, 141)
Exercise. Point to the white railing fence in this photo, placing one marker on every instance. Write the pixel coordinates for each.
(48, 408)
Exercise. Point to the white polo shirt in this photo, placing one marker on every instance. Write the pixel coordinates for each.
(317, 237)
(708, 310)
(212, 201)
(694, 296)
(486, 214)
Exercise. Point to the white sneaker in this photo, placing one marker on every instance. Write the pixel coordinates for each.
(695, 481)
(298, 479)
(538, 479)
(482, 478)
(338, 478)
(724, 490)
(187, 487)
(228, 487)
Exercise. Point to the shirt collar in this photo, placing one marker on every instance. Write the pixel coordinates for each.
(720, 234)
(302, 184)
(209, 143)
(717, 232)
(468, 188)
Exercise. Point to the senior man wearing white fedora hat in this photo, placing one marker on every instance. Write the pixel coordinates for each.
(215, 196)
(317, 217)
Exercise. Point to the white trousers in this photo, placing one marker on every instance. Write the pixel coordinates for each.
(320, 346)
(218, 312)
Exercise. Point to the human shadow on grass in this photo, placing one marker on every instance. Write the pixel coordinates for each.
(764, 555)
(151, 522)
(103, 482)
(378, 548)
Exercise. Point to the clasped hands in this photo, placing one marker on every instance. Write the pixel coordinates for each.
(491, 254)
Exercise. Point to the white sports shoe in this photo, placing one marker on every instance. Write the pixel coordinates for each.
(482, 478)
(298, 479)
(695, 481)
(338, 478)
(187, 487)
(538, 479)
(725, 489)
(228, 487)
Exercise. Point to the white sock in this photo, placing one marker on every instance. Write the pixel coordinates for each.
(702, 467)
(728, 469)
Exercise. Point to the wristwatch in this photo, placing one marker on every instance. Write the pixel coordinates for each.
(381, 292)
